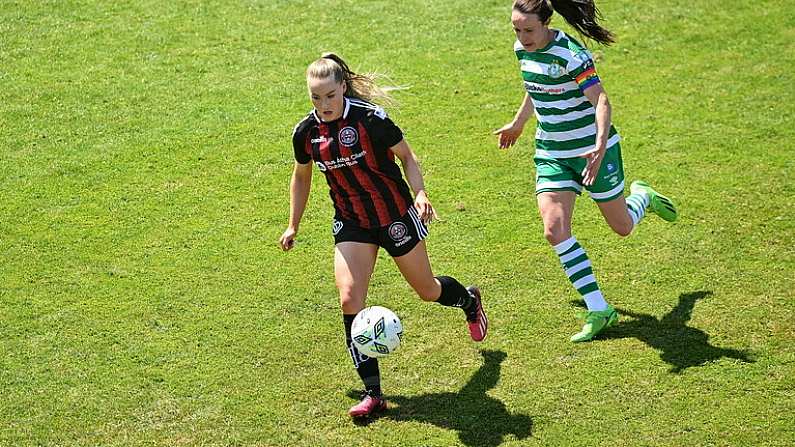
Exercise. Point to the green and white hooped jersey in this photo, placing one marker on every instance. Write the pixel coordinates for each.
(555, 77)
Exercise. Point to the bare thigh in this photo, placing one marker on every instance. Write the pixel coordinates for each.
(556, 209)
(353, 267)
(416, 268)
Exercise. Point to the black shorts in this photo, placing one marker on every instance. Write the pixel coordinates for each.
(397, 238)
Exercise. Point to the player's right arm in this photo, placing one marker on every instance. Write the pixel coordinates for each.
(300, 184)
(509, 133)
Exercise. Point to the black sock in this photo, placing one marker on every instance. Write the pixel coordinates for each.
(456, 295)
(367, 367)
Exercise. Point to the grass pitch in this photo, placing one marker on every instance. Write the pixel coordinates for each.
(144, 162)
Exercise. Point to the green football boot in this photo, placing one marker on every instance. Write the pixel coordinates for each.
(659, 204)
(596, 322)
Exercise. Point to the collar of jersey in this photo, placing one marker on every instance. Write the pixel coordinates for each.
(346, 107)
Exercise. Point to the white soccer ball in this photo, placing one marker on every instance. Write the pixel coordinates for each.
(376, 331)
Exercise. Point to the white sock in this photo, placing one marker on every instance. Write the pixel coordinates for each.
(636, 207)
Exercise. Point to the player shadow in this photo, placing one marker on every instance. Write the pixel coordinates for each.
(479, 419)
(680, 346)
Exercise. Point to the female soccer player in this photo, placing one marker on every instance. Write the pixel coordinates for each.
(576, 145)
(354, 143)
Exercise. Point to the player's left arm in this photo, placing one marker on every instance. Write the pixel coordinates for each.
(411, 168)
(597, 95)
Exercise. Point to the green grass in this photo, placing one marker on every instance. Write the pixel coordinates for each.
(144, 162)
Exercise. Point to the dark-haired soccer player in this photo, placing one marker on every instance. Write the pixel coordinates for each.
(354, 143)
(577, 146)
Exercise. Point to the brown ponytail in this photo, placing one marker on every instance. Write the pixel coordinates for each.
(582, 15)
(360, 86)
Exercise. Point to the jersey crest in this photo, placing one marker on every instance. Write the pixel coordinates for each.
(555, 69)
(348, 136)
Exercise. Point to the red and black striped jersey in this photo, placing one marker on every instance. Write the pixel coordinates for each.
(365, 183)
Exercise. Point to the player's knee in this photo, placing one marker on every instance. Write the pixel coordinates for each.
(350, 299)
(555, 234)
(623, 227)
(347, 301)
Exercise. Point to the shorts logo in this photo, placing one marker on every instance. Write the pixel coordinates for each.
(611, 167)
(397, 231)
(555, 70)
(321, 166)
(336, 228)
(348, 136)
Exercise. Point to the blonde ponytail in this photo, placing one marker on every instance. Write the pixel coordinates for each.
(359, 86)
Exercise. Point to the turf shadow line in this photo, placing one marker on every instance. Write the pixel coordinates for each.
(479, 419)
(680, 346)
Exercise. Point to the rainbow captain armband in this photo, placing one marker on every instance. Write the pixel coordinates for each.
(588, 77)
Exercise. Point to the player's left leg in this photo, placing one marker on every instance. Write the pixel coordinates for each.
(656, 202)
(624, 214)
(445, 290)
(620, 215)
(607, 191)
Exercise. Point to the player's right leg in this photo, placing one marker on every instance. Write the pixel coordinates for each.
(353, 266)
(556, 209)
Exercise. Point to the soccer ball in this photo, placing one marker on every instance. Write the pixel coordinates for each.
(376, 331)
